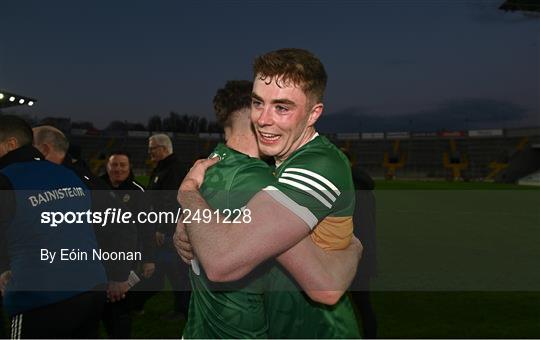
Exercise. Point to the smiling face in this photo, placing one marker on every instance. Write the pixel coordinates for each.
(118, 169)
(283, 117)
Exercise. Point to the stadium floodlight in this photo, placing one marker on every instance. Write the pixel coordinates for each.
(10, 99)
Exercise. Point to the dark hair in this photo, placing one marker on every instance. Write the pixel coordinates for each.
(292, 65)
(131, 176)
(235, 96)
(120, 152)
(13, 126)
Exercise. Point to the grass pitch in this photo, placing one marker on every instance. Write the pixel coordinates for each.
(457, 260)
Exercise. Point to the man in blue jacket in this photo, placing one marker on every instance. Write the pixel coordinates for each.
(45, 296)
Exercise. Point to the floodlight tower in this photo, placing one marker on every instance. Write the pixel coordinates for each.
(10, 99)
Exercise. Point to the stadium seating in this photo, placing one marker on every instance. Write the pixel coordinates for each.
(487, 157)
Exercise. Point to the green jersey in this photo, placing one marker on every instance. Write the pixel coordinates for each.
(315, 183)
(235, 310)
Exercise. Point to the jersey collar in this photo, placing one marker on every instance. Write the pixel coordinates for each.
(315, 135)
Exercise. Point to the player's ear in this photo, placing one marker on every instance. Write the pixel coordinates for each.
(315, 113)
(45, 149)
(12, 143)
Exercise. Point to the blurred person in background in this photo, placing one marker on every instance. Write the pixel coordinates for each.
(162, 189)
(119, 175)
(54, 145)
(364, 228)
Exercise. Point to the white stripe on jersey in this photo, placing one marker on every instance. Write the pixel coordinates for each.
(19, 327)
(300, 211)
(16, 326)
(312, 183)
(317, 176)
(308, 190)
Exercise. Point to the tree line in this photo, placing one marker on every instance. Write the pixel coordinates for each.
(173, 122)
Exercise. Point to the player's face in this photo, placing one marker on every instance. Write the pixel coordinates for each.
(283, 118)
(118, 168)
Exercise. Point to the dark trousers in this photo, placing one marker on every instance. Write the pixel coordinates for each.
(361, 298)
(178, 275)
(76, 317)
(117, 318)
(3, 334)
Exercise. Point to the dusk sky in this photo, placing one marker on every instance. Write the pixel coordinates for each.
(111, 60)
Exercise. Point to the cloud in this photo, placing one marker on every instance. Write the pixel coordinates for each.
(459, 114)
(489, 12)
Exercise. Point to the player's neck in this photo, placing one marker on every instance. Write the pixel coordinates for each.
(309, 135)
(244, 143)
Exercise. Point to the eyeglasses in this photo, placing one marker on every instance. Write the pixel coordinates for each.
(152, 148)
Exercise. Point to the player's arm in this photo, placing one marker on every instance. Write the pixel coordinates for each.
(324, 275)
(228, 251)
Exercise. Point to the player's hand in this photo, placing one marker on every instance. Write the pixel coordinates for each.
(182, 244)
(148, 269)
(116, 291)
(195, 176)
(5, 277)
(160, 238)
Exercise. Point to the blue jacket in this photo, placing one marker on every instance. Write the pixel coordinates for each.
(31, 186)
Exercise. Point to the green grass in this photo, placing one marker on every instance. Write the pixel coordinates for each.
(409, 315)
(458, 314)
(143, 180)
(447, 185)
(150, 325)
(457, 260)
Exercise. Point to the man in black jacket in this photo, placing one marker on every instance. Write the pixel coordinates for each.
(53, 144)
(120, 177)
(163, 187)
(117, 316)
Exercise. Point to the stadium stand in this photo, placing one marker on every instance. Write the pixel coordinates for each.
(522, 164)
(488, 155)
(532, 179)
(95, 149)
(424, 158)
(455, 160)
(393, 159)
